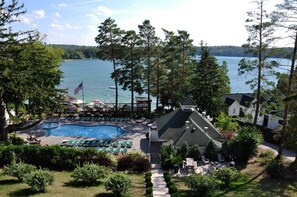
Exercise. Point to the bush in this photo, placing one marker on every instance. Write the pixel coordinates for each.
(167, 177)
(38, 180)
(293, 166)
(175, 194)
(266, 157)
(211, 151)
(245, 144)
(201, 185)
(172, 189)
(149, 184)
(276, 168)
(226, 175)
(89, 173)
(169, 183)
(118, 184)
(134, 161)
(54, 157)
(18, 170)
(148, 179)
(149, 190)
(15, 140)
(149, 195)
(184, 150)
(194, 152)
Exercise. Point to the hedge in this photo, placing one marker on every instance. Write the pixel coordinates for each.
(54, 157)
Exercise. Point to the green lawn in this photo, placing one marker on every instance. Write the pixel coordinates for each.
(257, 183)
(9, 186)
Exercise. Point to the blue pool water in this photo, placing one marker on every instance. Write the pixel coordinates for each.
(100, 131)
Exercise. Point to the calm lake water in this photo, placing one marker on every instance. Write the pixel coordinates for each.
(95, 75)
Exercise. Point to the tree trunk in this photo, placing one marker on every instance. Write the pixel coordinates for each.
(149, 79)
(280, 150)
(3, 129)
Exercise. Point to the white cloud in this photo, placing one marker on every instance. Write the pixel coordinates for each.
(93, 17)
(73, 26)
(25, 20)
(39, 13)
(101, 10)
(56, 14)
(58, 26)
(62, 5)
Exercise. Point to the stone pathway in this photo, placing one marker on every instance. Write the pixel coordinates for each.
(159, 184)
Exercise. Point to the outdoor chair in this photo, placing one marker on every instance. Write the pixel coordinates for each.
(130, 144)
(204, 160)
(220, 158)
(124, 144)
(117, 151)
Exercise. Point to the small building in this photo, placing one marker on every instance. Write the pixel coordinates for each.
(142, 103)
(244, 105)
(186, 124)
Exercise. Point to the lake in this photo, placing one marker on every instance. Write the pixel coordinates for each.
(95, 75)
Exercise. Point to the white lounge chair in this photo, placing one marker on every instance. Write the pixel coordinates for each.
(204, 160)
(141, 120)
(220, 158)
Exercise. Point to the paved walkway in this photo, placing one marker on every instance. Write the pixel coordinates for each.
(159, 184)
(290, 155)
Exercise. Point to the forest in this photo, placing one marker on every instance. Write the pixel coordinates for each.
(90, 52)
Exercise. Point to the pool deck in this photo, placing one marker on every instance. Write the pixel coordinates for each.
(136, 132)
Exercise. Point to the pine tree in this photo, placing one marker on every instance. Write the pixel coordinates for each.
(109, 39)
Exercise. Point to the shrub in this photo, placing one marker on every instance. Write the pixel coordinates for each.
(184, 150)
(18, 170)
(167, 177)
(201, 185)
(134, 161)
(172, 189)
(15, 140)
(226, 175)
(38, 180)
(149, 195)
(149, 184)
(175, 194)
(148, 174)
(169, 183)
(276, 168)
(89, 173)
(149, 190)
(54, 157)
(293, 166)
(148, 179)
(245, 144)
(194, 152)
(211, 151)
(266, 157)
(118, 184)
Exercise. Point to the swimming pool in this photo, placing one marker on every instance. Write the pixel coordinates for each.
(99, 131)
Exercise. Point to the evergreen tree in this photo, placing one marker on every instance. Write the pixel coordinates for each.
(130, 72)
(109, 39)
(286, 16)
(9, 51)
(147, 35)
(209, 82)
(260, 28)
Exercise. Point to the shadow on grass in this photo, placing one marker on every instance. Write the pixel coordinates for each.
(241, 185)
(9, 182)
(104, 195)
(23, 192)
(81, 184)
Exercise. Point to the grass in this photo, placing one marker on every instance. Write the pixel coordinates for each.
(63, 186)
(256, 183)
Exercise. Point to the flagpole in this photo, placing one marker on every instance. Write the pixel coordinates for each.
(83, 98)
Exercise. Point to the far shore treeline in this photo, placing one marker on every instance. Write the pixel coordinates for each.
(90, 52)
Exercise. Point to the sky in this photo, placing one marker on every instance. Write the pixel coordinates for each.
(216, 22)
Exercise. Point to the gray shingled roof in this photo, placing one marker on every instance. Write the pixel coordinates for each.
(243, 99)
(187, 101)
(172, 126)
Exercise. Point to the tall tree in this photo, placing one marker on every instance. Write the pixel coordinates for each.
(9, 12)
(109, 39)
(170, 91)
(147, 35)
(286, 16)
(260, 28)
(130, 72)
(209, 82)
(186, 51)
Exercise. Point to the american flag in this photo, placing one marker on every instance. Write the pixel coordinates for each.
(78, 88)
